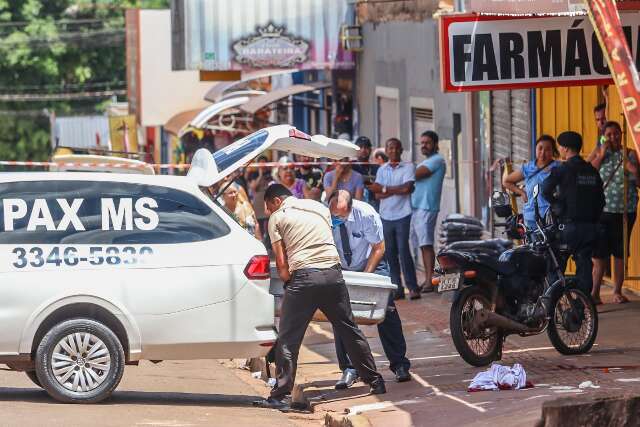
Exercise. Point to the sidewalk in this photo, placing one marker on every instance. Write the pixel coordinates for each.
(437, 395)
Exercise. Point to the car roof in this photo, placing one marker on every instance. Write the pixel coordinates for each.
(174, 181)
(99, 163)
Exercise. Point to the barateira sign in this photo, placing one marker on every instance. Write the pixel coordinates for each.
(507, 52)
(223, 35)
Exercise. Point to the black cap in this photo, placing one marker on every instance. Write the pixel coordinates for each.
(363, 141)
(571, 140)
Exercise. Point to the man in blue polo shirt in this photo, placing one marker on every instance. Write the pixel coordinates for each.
(426, 202)
(393, 187)
(357, 232)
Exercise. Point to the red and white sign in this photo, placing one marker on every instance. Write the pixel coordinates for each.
(509, 52)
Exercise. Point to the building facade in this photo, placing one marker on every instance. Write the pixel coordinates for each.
(398, 95)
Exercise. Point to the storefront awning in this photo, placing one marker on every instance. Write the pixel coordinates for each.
(200, 117)
(218, 90)
(180, 120)
(208, 113)
(260, 102)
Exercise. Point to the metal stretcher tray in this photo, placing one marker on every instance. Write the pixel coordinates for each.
(369, 294)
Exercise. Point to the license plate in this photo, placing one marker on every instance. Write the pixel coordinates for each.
(449, 282)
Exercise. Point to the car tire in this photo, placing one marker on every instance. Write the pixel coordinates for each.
(80, 361)
(33, 377)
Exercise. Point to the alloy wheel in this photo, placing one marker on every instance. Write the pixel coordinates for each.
(80, 362)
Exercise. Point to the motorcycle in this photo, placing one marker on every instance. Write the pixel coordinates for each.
(502, 289)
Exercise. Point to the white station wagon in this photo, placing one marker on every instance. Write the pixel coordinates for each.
(99, 270)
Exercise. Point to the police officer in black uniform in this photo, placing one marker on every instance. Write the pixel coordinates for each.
(574, 190)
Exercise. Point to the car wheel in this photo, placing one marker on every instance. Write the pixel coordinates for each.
(80, 361)
(33, 377)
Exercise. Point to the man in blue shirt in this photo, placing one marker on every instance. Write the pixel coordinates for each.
(426, 202)
(359, 239)
(393, 187)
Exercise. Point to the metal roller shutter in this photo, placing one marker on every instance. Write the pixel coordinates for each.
(520, 126)
(500, 129)
(510, 129)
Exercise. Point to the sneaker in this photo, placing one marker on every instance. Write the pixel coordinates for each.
(349, 377)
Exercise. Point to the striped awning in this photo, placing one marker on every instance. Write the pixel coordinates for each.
(259, 102)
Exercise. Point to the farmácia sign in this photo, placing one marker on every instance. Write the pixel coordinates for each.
(509, 52)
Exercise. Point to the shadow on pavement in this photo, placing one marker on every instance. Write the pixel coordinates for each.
(33, 395)
(11, 394)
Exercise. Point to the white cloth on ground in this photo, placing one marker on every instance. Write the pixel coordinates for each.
(500, 377)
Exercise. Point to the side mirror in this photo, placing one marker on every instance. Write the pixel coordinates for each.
(536, 191)
(501, 204)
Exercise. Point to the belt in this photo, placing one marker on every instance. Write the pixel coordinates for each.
(311, 270)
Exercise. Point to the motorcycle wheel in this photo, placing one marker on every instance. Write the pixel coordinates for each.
(479, 349)
(573, 326)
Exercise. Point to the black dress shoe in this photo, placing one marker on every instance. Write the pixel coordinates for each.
(282, 404)
(349, 377)
(413, 295)
(377, 386)
(402, 374)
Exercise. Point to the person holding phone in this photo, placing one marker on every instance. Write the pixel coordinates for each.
(614, 170)
(343, 177)
(367, 170)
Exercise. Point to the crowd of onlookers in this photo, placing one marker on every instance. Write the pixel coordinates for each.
(407, 197)
(620, 177)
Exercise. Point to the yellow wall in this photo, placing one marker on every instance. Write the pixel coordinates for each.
(571, 108)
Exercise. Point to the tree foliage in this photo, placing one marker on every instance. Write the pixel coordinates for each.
(53, 47)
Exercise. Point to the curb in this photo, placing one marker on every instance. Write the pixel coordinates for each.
(335, 420)
(605, 409)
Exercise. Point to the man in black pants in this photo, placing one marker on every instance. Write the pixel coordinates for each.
(574, 190)
(359, 238)
(309, 265)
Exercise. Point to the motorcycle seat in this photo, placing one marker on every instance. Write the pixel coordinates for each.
(486, 246)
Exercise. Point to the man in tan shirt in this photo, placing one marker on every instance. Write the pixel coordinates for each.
(309, 264)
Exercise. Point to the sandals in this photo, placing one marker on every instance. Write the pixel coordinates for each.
(620, 299)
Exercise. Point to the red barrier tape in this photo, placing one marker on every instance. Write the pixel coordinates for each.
(179, 165)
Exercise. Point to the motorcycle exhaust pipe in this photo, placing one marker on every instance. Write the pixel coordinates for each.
(488, 318)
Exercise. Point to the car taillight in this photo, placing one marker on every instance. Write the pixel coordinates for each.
(447, 262)
(295, 133)
(258, 268)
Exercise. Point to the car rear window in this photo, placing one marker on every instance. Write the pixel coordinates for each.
(232, 153)
(107, 212)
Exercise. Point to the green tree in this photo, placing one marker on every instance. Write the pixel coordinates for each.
(54, 47)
